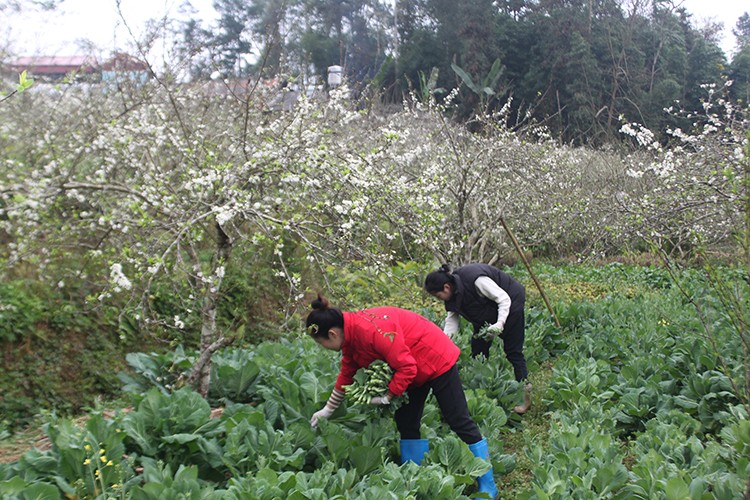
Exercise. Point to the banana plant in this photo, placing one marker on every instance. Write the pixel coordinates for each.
(484, 89)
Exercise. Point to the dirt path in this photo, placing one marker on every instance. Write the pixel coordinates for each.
(12, 448)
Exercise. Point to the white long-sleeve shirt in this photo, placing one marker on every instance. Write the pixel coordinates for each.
(489, 289)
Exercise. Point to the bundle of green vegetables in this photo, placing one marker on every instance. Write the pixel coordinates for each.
(373, 382)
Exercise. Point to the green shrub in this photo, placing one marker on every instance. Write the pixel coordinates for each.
(22, 312)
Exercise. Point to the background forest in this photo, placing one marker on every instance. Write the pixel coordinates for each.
(161, 239)
(577, 66)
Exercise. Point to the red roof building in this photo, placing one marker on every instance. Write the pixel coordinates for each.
(54, 67)
(122, 62)
(123, 67)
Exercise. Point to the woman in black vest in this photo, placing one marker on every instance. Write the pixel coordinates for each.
(493, 303)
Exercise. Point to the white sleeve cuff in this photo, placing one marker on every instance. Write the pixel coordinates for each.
(451, 324)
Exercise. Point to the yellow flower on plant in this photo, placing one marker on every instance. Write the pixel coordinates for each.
(96, 472)
(104, 459)
(110, 463)
(101, 451)
(87, 461)
(87, 447)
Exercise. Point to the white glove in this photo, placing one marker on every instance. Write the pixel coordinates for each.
(495, 330)
(324, 413)
(380, 400)
(489, 332)
(334, 401)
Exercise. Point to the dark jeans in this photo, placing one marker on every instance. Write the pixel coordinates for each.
(451, 399)
(513, 336)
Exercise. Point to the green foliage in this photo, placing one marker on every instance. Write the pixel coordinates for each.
(55, 358)
(21, 311)
(181, 449)
(234, 376)
(252, 443)
(24, 83)
(160, 370)
(174, 427)
(582, 461)
(563, 69)
(486, 88)
(709, 397)
(494, 377)
(428, 89)
(254, 295)
(549, 340)
(638, 404)
(636, 370)
(83, 462)
(739, 73)
(456, 457)
(398, 285)
(159, 481)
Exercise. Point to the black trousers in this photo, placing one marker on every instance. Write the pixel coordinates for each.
(514, 333)
(451, 399)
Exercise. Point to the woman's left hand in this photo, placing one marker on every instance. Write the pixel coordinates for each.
(380, 400)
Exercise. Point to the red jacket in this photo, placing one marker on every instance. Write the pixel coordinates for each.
(414, 347)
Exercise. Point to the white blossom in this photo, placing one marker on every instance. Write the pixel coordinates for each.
(118, 278)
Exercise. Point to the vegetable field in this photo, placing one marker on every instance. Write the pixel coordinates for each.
(641, 394)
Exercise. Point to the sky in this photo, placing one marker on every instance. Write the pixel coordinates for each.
(60, 32)
(64, 31)
(723, 11)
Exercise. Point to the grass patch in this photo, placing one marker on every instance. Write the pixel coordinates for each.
(533, 433)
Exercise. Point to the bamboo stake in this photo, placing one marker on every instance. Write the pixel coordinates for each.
(528, 268)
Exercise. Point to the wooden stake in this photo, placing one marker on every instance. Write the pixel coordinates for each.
(531, 272)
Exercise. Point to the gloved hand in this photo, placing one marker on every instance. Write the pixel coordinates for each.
(495, 330)
(489, 332)
(324, 413)
(380, 400)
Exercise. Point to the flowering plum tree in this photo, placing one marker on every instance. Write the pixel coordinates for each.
(116, 195)
(161, 190)
(696, 189)
(700, 201)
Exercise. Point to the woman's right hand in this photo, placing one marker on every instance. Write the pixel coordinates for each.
(325, 413)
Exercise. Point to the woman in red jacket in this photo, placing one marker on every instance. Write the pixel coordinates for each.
(422, 357)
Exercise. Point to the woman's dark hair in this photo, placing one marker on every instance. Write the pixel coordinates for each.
(436, 280)
(322, 318)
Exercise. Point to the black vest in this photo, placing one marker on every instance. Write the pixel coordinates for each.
(476, 308)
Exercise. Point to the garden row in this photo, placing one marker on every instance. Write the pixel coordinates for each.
(642, 404)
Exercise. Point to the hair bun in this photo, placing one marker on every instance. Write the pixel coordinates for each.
(320, 303)
(445, 268)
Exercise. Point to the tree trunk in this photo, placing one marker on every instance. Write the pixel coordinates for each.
(210, 341)
(208, 332)
(747, 207)
(747, 263)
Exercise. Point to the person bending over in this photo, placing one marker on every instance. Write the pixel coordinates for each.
(422, 358)
(493, 303)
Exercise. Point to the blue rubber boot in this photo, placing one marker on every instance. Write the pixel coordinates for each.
(486, 483)
(414, 450)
